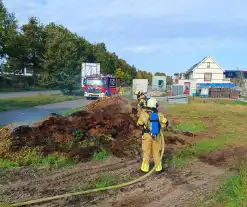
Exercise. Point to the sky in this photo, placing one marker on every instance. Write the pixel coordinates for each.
(157, 36)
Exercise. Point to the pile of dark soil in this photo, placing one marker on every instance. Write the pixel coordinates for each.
(108, 123)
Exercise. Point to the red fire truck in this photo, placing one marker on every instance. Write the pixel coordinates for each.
(96, 86)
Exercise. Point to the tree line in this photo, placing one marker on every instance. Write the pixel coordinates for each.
(54, 54)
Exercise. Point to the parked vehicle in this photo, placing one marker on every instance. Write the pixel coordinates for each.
(96, 86)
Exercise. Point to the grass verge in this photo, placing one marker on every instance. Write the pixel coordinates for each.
(30, 101)
(7, 90)
(232, 192)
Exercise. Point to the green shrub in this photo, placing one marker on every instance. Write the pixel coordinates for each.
(57, 160)
(4, 163)
(103, 154)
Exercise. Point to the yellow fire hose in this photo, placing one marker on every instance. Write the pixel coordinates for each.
(94, 190)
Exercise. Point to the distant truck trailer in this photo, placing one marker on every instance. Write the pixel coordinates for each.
(140, 85)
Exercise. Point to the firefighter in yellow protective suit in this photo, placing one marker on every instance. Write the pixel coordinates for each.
(141, 101)
(151, 139)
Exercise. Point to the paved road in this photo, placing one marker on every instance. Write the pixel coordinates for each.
(27, 93)
(31, 115)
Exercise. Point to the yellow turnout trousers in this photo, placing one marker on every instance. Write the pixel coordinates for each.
(150, 145)
(139, 109)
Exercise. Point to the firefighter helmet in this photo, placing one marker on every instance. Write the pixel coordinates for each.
(152, 103)
(137, 92)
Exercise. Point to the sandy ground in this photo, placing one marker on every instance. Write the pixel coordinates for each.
(175, 187)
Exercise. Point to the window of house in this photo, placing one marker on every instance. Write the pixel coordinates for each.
(207, 76)
(208, 64)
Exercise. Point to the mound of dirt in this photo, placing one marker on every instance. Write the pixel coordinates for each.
(107, 123)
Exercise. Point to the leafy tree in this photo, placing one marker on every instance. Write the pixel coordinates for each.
(150, 78)
(239, 79)
(33, 37)
(128, 79)
(169, 80)
(8, 31)
(145, 75)
(63, 51)
(139, 75)
(160, 74)
(120, 75)
(17, 59)
(133, 72)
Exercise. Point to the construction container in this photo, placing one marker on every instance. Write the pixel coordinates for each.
(177, 90)
(140, 84)
(159, 82)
